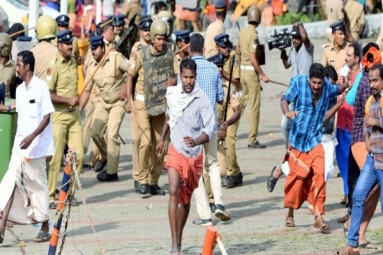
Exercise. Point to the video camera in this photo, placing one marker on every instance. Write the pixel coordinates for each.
(281, 40)
(218, 59)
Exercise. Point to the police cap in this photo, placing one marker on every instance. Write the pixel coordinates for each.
(24, 38)
(339, 25)
(64, 36)
(145, 24)
(182, 35)
(119, 20)
(96, 41)
(220, 6)
(62, 20)
(222, 40)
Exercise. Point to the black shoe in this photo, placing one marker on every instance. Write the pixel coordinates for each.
(100, 166)
(105, 177)
(74, 202)
(1, 239)
(232, 181)
(143, 188)
(136, 185)
(256, 145)
(271, 181)
(221, 213)
(212, 207)
(156, 190)
(85, 165)
(52, 205)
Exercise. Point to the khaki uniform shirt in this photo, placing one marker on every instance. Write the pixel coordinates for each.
(135, 48)
(333, 57)
(136, 68)
(75, 50)
(248, 43)
(61, 77)
(354, 16)
(109, 77)
(334, 9)
(89, 57)
(43, 53)
(7, 76)
(212, 31)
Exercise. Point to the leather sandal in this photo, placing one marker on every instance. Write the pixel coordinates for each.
(289, 222)
(343, 219)
(321, 224)
(349, 251)
(42, 237)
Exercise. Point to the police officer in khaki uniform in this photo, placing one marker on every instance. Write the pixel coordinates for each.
(334, 13)
(168, 18)
(248, 45)
(215, 28)
(110, 109)
(355, 20)
(145, 25)
(7, 66)
(95, 162)
(155, 67)
(119, 33)
(227, 158)
(182, 41)
(61, 76)
(44, 51)
(62, 25)
(335, 53)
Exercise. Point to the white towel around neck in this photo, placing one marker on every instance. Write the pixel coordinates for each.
(177, 101)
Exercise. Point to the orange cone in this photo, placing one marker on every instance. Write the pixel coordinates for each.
(210, 237)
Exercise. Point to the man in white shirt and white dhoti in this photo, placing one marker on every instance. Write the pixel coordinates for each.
(24, 188)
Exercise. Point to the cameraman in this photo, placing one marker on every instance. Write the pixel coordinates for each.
(300, 59)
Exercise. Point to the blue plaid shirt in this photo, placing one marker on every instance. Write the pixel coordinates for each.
(210, 81)
(306, 127)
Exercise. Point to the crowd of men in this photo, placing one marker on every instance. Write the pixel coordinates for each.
(184, 97)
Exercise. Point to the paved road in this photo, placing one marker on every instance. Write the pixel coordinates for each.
(128, 223)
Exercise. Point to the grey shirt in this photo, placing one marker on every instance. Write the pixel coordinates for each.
(196, 118)
(302, 60)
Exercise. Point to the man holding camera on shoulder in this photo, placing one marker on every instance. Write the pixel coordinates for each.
(300, 59)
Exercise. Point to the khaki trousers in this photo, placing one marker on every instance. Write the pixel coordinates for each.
(67, 128)
(213, 170)
(150, 130)
(89, 110)
(108, 118)
(135, 144)
(252, 95)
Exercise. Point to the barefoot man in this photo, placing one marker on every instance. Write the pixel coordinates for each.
(191, 122)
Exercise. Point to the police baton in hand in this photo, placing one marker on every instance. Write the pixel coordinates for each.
(228, 94)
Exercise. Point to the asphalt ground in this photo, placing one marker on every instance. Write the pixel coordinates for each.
(132, 224)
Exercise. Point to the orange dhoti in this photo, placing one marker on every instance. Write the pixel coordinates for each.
(190, 170)
(306, 179)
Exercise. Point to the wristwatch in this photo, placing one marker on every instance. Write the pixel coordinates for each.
(9, 108)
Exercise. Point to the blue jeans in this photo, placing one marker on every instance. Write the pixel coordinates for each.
(369, 177)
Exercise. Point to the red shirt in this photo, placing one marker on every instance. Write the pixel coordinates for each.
(346, 112)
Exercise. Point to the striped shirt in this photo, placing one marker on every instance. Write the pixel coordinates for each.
(376, 133)
(362, 94)
(306, 127)
(209, 80)
(196, 118)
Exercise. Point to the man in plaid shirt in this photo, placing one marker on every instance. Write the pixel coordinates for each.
(311, 96)
(372, 171)
(210, 81)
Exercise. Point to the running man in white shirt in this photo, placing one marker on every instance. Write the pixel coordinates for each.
(24, 188)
